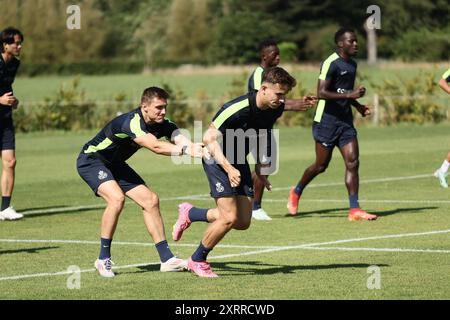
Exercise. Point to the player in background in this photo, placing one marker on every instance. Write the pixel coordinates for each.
(270, 57)
(333, 122)
(11, 45)
(441, 173)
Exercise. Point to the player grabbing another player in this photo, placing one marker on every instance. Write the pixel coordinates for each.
(333, 122)
(441, 173)
(102, 166)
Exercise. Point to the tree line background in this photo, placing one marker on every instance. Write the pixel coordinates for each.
(129, 36)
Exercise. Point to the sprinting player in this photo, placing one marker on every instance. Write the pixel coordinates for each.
(11, 45)
(333, 122)
(441, 173)
(270, 57)
(228, 171)
(102, 166)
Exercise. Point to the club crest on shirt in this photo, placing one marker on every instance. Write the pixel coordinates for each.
(102, 175)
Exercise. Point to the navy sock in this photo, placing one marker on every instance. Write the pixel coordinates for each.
(198, 214)
(256, 205)
(353, 201)
(5, 202)
(105, 248)
(164, 251)
(298, 189)
(201, 253)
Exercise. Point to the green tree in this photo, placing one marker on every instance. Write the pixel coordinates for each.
(423, 44)
(201, 30)
(188, 32)
(43, 36)
(47, 39)
(179, 29)
(123, 18)
(150, 38)
(237, 37)
(86, 43)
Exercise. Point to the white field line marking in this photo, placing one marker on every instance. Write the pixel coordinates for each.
(362, 200)
(314, 185)
(62, 273)
(404, 235)
(346, 201)
(319, 185)
(312, 245)
(204, 197)
(63, 209)
(272, 249)
(378, 249)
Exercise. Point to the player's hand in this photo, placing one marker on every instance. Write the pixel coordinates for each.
(206, 153)
(309, 101)
(263, 178)
(304, 103)
(266, 181)
(8, 99)
(234, 176)
(195, 150)
(15, 104)
(364, 110)
(357, 93)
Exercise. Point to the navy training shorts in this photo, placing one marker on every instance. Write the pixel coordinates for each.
(94, 172)
(7, 136)
(220, 184)
(334, 134)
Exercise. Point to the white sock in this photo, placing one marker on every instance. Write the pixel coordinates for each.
(444, 167)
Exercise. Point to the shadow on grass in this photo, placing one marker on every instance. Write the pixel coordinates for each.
(149, 268)
(310, 214)
(270, 269)
(399, 210)
(53, 210)
(29, 250)
(339, 212)
(259, 268)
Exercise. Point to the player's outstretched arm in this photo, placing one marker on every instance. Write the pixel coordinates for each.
(444, 85)
(303, 104)
(165, 148)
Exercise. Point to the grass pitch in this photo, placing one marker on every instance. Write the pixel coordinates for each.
(317, 254)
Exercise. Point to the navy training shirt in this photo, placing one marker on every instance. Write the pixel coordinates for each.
(446, 75)
(341, 73)
(114, 143)
(244, 121)
(255, 79)
(7, 75)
